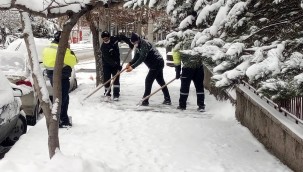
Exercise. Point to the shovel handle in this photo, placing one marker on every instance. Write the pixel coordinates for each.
(155, 92)
(129, 51)
(113, 78)
(102, 85)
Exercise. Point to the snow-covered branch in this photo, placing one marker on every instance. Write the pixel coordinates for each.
(52, 8)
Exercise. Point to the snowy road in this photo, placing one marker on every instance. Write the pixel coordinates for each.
(118, 137)
(170, 140)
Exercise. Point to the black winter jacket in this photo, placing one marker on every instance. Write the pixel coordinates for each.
(148, 54)
(110, 52)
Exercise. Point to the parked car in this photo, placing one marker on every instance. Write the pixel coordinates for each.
(14, 64)
(12, 118)
(15, 68)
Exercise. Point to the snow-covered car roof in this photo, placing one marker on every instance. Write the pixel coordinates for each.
(12, 63)
(6, 92)
(19, 45)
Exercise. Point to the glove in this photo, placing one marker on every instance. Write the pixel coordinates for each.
(178, 71)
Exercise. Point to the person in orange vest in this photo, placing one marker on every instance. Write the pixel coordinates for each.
(70, 60)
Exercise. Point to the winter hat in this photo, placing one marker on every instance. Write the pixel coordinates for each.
(134, 37)
(105, 34)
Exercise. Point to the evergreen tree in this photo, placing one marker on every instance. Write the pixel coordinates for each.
(254, 40)
(11, 25)
(42, 28)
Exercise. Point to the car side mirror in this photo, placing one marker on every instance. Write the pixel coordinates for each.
(17, 92)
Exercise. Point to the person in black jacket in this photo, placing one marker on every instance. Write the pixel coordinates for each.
(111, 61)
(148, 54)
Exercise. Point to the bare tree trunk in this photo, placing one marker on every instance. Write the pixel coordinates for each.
(51, 122)
(139, 22)
(96, 46)
(57, 85)
(37, 72)
(139, 27)
(3, 35)
(150, 35)
(57, 96)
(104, 20)
(117, 27)
(103, 26)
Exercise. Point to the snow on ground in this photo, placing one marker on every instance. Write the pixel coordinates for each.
(118, 137)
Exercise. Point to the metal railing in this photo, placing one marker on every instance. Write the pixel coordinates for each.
(289, 108)
(293, 105)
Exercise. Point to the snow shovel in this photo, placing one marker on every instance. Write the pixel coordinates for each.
(102, 85)
(140, 102)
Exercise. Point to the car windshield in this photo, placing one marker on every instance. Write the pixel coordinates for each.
(12, 63)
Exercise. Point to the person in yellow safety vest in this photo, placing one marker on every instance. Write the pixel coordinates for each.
(70, 60)
(192, 70)
(50, 53)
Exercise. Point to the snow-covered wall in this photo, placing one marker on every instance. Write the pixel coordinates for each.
(279, 134)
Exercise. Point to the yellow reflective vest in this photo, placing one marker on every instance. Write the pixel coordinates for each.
(49, 56)
(177, 57)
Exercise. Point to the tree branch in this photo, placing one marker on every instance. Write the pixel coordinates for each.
(49, 8)
(284, 22)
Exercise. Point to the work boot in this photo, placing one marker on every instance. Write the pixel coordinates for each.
(201, 109)
(167, 101)
(145, 103)
(181, 108)
(65, 125)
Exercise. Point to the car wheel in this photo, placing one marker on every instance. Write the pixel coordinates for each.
(19, 129)
(32, 119)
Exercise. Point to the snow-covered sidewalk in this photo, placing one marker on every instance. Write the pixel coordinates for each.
(116, 137)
